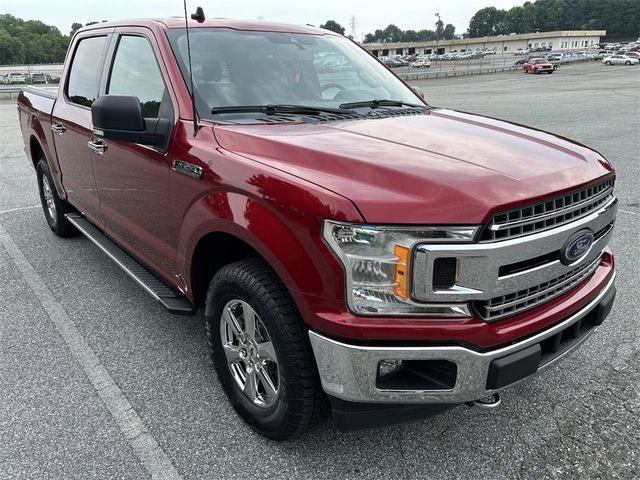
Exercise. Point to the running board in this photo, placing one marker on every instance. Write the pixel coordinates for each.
(173, 301)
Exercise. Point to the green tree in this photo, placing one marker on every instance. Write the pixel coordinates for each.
(392, 34)
(487, 22)
(10, 49)
(74, 28)
(333, 26)
(449, 32)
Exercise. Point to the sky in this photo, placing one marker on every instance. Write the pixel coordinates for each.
(370, 15)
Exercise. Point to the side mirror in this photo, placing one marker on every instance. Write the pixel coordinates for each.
(119, 117)
(419, 91)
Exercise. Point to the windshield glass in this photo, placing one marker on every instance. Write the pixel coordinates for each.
(240, 68)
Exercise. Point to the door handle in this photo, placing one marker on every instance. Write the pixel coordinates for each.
(97, 147)
(58, 128)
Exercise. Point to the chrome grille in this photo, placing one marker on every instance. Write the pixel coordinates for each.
(503, 306)
(547, 214)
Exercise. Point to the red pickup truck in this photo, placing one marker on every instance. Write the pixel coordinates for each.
(352, 246)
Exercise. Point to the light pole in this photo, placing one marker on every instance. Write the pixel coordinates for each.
(437, 32)
(438, 41)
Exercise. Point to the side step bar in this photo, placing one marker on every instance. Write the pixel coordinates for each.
(173, 301)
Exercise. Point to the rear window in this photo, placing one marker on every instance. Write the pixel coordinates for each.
(84, 77)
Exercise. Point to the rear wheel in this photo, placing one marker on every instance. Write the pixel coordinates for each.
(261, 351)
(54, 207)
(627, 62)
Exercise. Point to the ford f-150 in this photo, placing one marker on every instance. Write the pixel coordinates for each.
(354, 248)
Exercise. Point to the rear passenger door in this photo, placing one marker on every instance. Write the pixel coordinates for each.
(133, 179)
(71, 122)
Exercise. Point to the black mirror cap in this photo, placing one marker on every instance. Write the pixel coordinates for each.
(117, 112)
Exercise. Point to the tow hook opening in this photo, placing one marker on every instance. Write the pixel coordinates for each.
(490, 401)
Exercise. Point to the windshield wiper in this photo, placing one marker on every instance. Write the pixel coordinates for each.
(282, 109)
(380, 103)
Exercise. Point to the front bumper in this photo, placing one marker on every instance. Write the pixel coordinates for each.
(350, 372)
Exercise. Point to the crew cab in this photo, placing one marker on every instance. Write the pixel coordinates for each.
(351, 245)
(538, 65)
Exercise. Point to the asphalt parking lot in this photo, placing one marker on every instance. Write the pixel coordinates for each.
(62, 300)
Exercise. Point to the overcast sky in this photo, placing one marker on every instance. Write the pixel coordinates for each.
(406, 14)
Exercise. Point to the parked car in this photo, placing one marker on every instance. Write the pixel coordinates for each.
(38, 78)
(538, 65)
(377, 256)
(620, 60)
(53, 78)
(16, 78)
(635, 55)
(422, 63)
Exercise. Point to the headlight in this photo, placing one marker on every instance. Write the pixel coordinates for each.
(377, 262)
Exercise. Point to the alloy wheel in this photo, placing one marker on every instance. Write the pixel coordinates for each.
(250, 354)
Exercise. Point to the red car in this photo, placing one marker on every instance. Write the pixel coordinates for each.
(538, 65)
(348, 242)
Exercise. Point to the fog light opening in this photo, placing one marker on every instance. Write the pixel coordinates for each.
(387, 367)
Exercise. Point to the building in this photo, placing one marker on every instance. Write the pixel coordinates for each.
(558, 41)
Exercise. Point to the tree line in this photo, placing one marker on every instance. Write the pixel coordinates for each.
(620, 18)
(32, 41)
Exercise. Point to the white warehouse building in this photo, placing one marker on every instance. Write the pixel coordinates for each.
(557, 41)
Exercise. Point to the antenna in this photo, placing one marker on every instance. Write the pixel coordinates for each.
(198, 17)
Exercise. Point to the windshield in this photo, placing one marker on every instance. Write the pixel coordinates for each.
(240, 68)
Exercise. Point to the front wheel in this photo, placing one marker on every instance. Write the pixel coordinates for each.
(608, 64)
(261, 351)
(627, 62)
(54, 207)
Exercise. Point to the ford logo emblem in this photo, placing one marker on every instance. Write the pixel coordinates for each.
(576, 247)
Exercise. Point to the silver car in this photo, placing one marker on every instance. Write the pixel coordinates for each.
(620, 60)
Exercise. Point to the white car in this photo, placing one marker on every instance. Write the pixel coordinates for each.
(421, 63)
(620, 60)
(16, 78)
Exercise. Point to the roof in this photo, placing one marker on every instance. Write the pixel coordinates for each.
(178, 22)
(499, 38)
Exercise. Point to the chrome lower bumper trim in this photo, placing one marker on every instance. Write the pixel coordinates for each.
(349, 372)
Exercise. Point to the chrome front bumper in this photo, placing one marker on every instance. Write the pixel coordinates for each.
(349, 372)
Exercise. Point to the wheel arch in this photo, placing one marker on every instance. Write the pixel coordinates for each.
(246, 227)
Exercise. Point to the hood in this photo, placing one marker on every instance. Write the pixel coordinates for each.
(444, 167)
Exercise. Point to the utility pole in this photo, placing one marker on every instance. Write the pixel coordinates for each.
(354, 23)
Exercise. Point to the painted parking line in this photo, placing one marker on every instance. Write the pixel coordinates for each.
(149, 452)
(19, 209)
(627, 211)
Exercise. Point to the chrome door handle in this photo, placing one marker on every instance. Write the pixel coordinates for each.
(97, 147)
(58, 128)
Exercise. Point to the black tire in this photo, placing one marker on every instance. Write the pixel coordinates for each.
(627, 62)
(550, 72)
(608, 64)
(300, 398)
(56, 215)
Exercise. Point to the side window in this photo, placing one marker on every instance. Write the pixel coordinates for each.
(84, 77)
(135, 72)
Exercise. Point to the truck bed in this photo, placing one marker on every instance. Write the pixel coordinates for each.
(45, 91)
